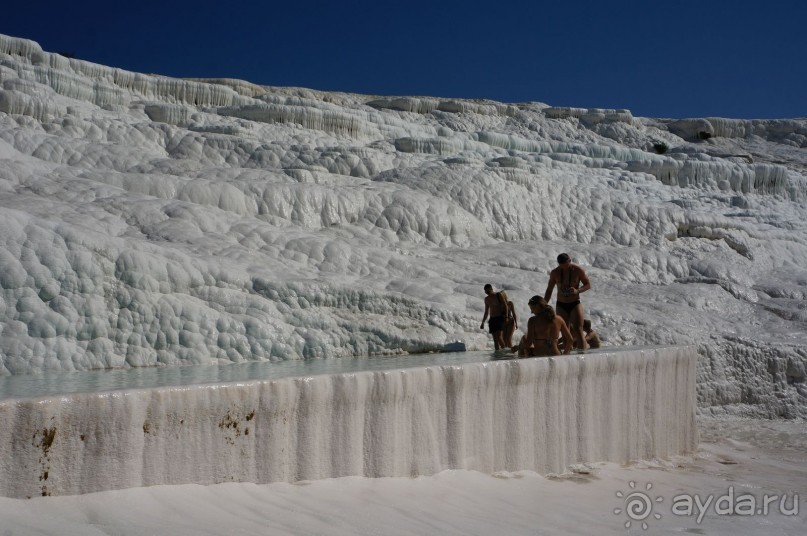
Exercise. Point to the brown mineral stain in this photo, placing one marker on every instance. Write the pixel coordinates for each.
(48, 435)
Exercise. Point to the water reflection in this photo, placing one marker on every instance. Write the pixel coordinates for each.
(51, 384)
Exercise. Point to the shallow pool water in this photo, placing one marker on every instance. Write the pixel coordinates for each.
(54, 384)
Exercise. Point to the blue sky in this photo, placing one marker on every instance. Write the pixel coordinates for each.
(660, 59)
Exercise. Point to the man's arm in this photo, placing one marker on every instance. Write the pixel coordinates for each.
(586, 283)
(549, 287)
(485, 317)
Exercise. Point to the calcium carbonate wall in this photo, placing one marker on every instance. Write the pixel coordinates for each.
(537, 414)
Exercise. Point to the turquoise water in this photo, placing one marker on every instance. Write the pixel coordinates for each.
(54, 384)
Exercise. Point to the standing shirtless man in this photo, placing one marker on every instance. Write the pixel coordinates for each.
(497, 308)
(571, 281)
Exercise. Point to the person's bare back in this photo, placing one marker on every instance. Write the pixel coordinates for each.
(571, 281)
(544, 329)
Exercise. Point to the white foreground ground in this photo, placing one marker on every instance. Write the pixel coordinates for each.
(754, 457)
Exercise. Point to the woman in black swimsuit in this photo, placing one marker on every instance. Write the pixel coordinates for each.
(571, 281)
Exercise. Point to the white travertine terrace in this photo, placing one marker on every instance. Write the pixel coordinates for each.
(714, 174)
(327, 121)
(407, 104)
(421, 105)
(788, 131)
(590, 116)
(148, 221)
(537, 414)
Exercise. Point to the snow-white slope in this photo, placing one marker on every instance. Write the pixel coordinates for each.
(148, 220)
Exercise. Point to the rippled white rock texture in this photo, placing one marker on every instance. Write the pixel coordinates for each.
(537, 414)
(154, 221)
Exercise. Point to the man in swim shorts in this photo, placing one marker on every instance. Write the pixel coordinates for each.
(496, 306)
(571, 281)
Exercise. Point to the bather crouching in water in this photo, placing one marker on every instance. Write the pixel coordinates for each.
(592, 337)
(544, 329)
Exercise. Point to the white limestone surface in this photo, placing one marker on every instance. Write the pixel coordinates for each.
(150, 221)
(761, 458)
(540, 414)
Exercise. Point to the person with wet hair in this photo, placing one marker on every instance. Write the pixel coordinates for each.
(592, 337)
(571, 281)
(544, 329)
